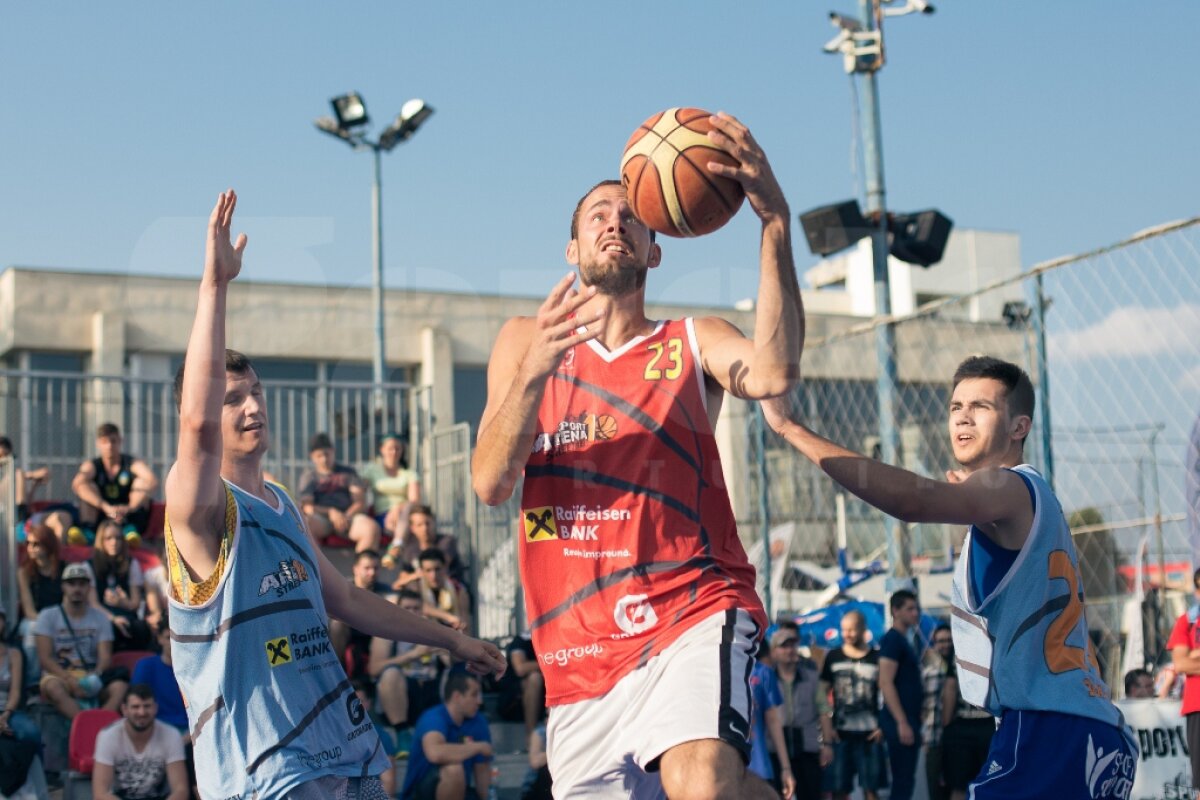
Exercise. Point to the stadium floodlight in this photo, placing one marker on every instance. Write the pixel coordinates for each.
(411, 117)
(329, 125)
(351, 110)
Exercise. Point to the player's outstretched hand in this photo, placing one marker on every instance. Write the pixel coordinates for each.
(482, 657)
(754, 173)
(555, 328)
(223, 259)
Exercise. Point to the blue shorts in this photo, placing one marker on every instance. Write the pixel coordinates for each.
(854, 755)
(1091, 760)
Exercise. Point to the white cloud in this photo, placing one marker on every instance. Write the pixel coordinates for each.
(1134, 331)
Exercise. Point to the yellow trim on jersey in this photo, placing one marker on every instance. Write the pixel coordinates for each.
(183, 588)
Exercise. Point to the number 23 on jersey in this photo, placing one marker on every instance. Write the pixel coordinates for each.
(666, 360)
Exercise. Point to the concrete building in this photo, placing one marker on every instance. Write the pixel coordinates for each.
(136, 326)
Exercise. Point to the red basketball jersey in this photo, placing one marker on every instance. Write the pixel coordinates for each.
(626, 537)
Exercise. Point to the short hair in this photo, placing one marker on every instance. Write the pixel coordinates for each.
(6, 444)
(320, 441)
(1196, 579)
(1018, 389)
(143, 691)
(458, 682)
(579, 207)
(941, 626)
(431, 554)
(855, 614)
(235, 362)
(410, 594)
(107, 430)
(368, 553)
(163, 625)
(1132, 676)
(421, 508)
(901, 597)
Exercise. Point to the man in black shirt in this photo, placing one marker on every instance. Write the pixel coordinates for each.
(115, 485)
(851, 672)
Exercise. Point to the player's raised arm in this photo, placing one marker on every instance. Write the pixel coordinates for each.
(769, 364)
(195, 495)
(996, 500)
(526, 353)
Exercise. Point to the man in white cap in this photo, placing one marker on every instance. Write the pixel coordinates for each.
(74, 642)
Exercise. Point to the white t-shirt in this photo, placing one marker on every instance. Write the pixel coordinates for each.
(139, 775)
(79, 650)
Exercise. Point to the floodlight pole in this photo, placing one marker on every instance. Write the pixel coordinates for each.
(899, 556)
(377, 277)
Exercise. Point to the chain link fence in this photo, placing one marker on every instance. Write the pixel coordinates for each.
(1111, 340)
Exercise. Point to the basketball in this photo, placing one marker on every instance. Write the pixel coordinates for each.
(665, 173)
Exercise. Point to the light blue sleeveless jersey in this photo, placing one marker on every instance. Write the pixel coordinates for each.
(269, 705)
(1025, 646)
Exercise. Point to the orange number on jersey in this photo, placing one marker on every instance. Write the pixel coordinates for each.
(674, 350)
(1060, 656)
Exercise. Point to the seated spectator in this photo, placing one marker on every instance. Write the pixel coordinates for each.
(334, 500)
(13, 721)
(39, 586)
(538, 785)
(115, 485)
(74, 643)
(139, 757)
(522, 687)
(158, 672)
(394, 487)
(446, 600)
(1139, 685)
(452, 751)
(407, 676)
(117, 588)
(341, 635)
(422, 535)
(27, 480)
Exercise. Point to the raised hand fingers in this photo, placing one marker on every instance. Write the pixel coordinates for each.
(230, 205)
(558, 292)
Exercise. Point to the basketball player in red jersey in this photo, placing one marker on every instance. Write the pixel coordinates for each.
(638, 592)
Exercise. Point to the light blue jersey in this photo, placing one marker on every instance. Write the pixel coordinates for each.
(1025, 646)
(269, 705)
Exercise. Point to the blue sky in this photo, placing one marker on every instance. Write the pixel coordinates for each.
(1073, 124)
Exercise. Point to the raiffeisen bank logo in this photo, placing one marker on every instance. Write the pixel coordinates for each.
(576, 433)
(577, 523)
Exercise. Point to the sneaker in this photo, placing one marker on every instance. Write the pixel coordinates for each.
(404, 739)
(132, 536)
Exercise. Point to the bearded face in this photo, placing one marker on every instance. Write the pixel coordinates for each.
(612, 247)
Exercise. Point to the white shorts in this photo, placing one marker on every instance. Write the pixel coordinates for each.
(697, 688)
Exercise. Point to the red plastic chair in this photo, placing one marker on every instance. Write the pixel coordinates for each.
(128, 658)
(81, 746)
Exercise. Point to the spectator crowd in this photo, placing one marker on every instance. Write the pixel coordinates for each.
(91, 631)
